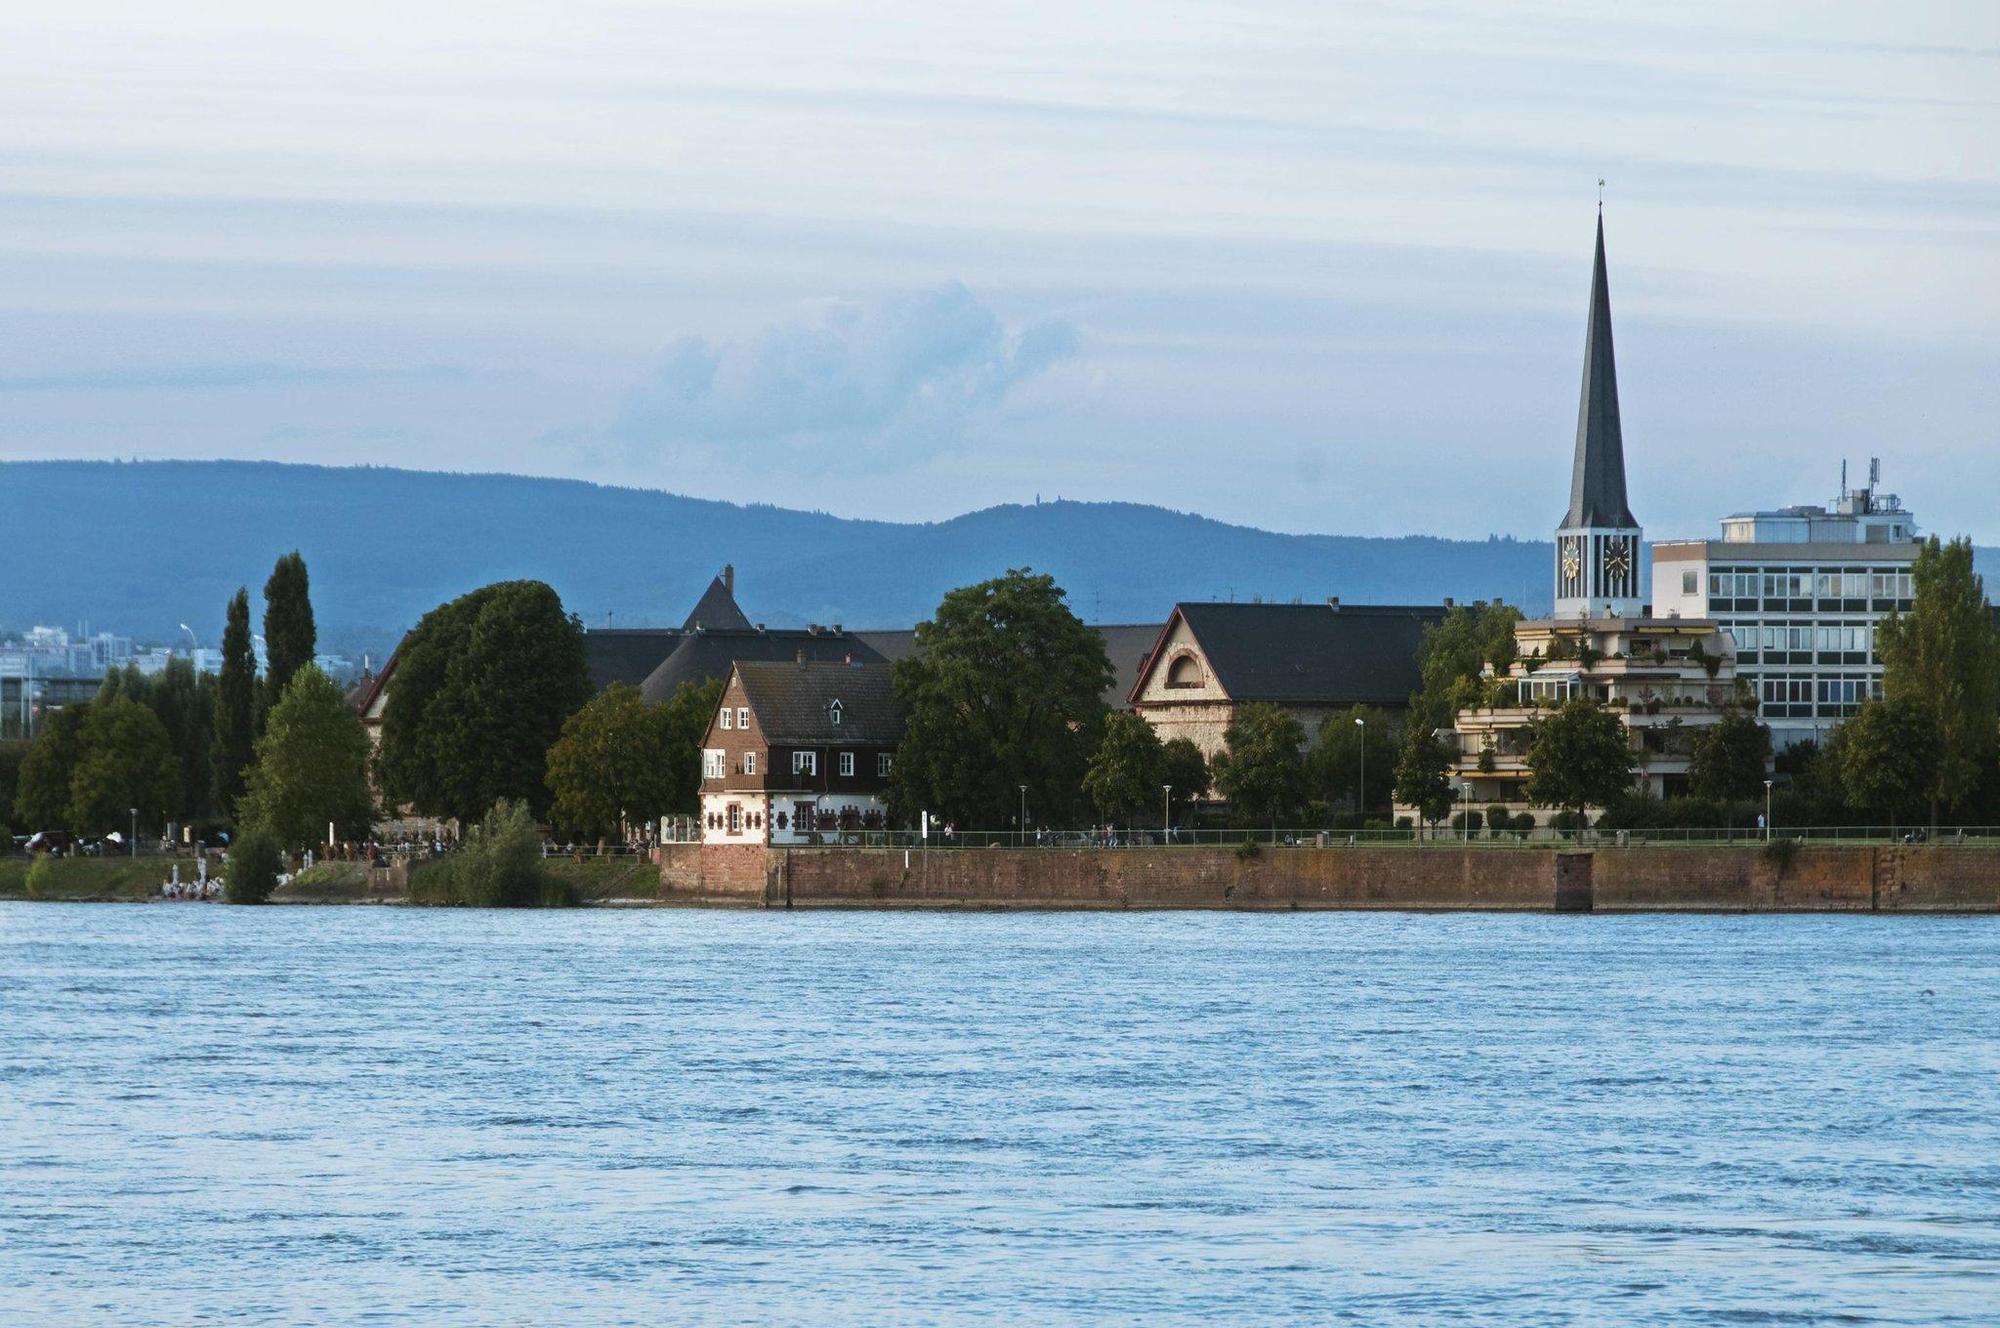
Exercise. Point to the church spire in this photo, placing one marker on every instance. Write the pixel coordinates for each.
(1597, 544)
(1597, 479)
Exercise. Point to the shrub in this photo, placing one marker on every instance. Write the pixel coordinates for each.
(1780, 852)
(1469, 819)
(1249, 850)
(1568, 822)
(499, 866)
(254, 864)
(39, 874)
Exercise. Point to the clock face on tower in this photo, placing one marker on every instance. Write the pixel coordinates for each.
(1571, 563)
(1616, 561)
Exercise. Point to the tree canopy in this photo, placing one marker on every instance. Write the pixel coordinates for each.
(1421, 779)
(613, 764)
(1730, 758)
(1580, 757)
(690, 710)
(125, 762)
(480, 692)
(1888, 756)
(1262, 771)
(41, 795)
(1351, 761)
(289, 635)
(312, 766)
(1128, 772)
(234, 745)
(1186, 769)
(1005, 689)
(1943, 657)
(1451, 655)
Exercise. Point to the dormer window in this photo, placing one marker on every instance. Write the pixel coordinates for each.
(833, 712)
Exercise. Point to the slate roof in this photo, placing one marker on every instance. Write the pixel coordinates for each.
(794, 703)
(716, 611)
(627, 654)
(1312, 654)
(698, 657)
(1128, 645)
(1597, 476)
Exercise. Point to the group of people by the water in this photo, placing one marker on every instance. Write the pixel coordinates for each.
(206, 889)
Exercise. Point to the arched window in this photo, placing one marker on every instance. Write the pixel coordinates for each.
(1184, 671)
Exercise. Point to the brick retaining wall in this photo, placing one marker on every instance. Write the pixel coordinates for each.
(1831, 878)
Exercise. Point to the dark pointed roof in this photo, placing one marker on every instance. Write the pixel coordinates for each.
(717, 612)
(703, 656)
(1309, 654)
(1597, 480)
(794, 702)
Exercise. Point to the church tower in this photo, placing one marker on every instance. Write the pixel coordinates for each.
(1597, 544)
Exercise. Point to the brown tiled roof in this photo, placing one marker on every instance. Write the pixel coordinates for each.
(794, 702)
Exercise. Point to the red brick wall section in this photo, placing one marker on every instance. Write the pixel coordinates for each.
(1275, 878)
(1937, 878)
(1829, 878)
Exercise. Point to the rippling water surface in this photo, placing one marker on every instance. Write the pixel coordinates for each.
(390, 1116)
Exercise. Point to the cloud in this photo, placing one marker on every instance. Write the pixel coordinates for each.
(895, 378)
(204, 377)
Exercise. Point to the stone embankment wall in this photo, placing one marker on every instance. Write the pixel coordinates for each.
(1749, 878)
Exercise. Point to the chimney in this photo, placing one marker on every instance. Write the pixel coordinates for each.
(1333, 602)
(1447, 601)
(836, 629)
(729, 577)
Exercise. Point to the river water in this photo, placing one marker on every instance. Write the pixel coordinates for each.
(402, 1116)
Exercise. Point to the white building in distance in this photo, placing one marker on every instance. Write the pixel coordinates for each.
(1799, 590)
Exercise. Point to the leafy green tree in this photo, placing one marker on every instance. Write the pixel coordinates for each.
(1451, 655)
(255, 863)
(1186, 769)
(1943, 656)
(1421, 781)
(41, 798)
(1005, 689)
(1730, 759)
(289, 634)
(481, 690)
(1580, 757)
(125, 760)
(1334, 767)
(185, 703)
(234, 744)
(499, 866)
(1128, 769)
(1262, 771)
(127, 681)
(613, 764)
(312, 766)
(13, 752)
(690, 710)
(1888, 756)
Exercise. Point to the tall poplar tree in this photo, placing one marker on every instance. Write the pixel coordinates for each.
(289, 638)
(235, 708)
(1942, 657)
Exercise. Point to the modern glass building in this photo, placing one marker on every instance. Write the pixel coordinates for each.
(1800, 590)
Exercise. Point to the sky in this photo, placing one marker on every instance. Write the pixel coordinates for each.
(1310, 267)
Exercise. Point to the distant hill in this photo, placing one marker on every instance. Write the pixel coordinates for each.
(140, 547)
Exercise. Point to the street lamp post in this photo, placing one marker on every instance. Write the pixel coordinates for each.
(1767, 809)
(1361, 789)
(135, 832)
(1021, 835)
(1167, 814)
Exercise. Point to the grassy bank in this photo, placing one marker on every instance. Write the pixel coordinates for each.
(94, 879)
(600, 879)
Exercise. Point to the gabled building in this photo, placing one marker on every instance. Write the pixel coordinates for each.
(799, 753)
(1211, 659)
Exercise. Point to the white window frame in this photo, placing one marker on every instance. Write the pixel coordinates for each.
(847, 765)
(735, 818)
(805, 763)
(834, 711)
(714, 763)
(743, 717)
(725, 718)
(749, 763)
(883, 761)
